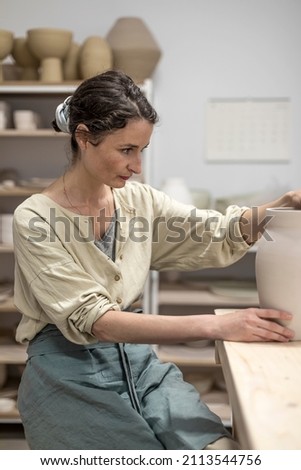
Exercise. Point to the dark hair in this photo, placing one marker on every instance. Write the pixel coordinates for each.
(105, 103)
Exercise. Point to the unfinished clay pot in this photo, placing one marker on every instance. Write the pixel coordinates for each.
(278, 265)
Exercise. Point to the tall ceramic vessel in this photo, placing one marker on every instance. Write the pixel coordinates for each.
(25, 59)
(95, 56)
(6, 45)
(50, 46)
(135, 50)
(278, 265)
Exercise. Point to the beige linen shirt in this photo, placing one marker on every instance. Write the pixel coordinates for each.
(62, 278)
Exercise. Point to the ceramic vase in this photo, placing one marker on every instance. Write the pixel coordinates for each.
(50, 46)
(278, 265)
(6, 45)
(95, 57)
(135, 50)
(25, 59)
(71, 63)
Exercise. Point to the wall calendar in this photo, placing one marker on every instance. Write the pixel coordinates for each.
(248, 130)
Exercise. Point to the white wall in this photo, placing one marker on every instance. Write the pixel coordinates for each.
(211, 48)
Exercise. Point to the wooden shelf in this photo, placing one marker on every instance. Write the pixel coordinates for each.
(10, 418)
(37, 87)
(32, 133)
(8, 305)
(18, 191)
(12, 354)
(184, 295)
(5, 248)
(182, 355)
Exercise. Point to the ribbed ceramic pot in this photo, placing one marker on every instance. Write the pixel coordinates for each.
(278, 265)
(95, 56)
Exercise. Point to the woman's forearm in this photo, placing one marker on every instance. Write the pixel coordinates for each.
(128, 327)
(251, 324)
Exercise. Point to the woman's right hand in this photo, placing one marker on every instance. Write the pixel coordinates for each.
(254, 324)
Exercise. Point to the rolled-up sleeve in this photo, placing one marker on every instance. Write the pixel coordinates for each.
(51, 286)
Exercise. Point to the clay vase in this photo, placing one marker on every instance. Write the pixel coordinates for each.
(50, 46)
(25, 59)
(71, 63)
(135, 50)
(95, 57)
(278, 265)
(6, 45)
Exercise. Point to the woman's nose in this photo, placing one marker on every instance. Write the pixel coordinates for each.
(136, 165)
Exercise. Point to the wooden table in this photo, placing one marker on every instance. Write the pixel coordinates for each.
(264, 386)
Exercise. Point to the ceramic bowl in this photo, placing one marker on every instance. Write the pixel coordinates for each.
(49, 42)
(50, 46)
(6, 43)
(25, 59)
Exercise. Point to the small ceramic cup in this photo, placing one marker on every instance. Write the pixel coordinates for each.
(4, 115)
(25, 119)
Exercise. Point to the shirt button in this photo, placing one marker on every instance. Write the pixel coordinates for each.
(118, 300)
(117, 277)
(121, 256)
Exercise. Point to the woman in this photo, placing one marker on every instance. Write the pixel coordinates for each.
(83, 250)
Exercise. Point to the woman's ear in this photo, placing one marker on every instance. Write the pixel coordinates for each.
(82, 135)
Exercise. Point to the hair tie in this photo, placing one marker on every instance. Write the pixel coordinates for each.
(62, 116)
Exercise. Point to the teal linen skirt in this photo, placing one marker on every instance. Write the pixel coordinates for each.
(109, 396)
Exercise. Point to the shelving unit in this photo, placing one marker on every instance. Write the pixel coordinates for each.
(36, 153)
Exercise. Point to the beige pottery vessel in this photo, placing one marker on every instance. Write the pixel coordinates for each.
(50, 46)
(278, 265)
(135, 50)
(25, 59)
(71, 63)
(95, 57)
(6, 45)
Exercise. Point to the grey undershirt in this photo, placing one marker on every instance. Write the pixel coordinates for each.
(107, 242)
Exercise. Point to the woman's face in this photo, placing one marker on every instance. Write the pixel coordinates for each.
(116, 158)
